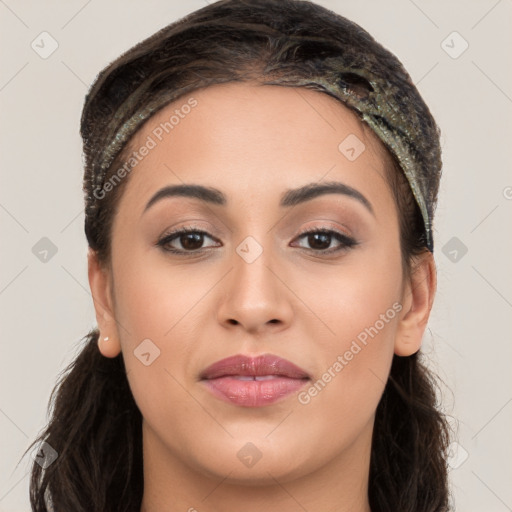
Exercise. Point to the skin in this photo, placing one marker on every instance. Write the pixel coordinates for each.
(253, 143)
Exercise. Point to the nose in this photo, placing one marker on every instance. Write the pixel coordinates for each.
(256, 296)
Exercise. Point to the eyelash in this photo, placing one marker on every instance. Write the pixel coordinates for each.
(346, 241)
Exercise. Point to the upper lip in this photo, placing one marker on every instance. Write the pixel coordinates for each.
(265, 364)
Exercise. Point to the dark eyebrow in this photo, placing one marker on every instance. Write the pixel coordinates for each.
(291, 197)
(206, 194)
(312, 190)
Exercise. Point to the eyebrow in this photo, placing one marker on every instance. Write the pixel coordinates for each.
(291, 197)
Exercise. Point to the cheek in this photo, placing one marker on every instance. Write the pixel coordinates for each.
(159, 307)
(345, 392)
(358, 295)
(157, 304)
(361, 306)
(154, 298)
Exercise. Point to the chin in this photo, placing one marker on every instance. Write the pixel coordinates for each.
(255, 461)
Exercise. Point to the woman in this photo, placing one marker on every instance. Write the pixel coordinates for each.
(260, 183)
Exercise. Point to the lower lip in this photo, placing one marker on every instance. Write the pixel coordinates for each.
(253, 393)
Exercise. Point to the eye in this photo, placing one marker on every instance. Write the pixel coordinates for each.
(320, 239)
(190, 239)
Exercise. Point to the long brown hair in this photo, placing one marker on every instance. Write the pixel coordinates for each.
(95, 426)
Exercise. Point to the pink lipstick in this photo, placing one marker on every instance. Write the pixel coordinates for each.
(253, 381)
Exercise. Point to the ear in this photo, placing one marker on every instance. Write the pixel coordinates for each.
(417, 299)
(99, 282)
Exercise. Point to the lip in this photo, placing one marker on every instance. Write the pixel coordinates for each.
(229, 379)
(265, 364)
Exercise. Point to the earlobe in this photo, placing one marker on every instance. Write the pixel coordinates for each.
(108, 342)
(418, 299)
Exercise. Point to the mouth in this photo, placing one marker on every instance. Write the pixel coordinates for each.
(253, 381)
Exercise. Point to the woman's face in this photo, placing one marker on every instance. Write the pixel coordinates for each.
(255, 284)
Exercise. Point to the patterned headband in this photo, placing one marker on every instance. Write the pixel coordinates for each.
(374, 85)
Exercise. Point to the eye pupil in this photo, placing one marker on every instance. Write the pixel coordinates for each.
(315, 236)
(196, 236)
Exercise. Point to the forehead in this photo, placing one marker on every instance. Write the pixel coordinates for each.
(249, 136)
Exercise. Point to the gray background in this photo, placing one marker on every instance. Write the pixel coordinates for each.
(45, 304)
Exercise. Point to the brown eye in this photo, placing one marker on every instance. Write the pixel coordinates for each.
(190, 239)
(320, 240)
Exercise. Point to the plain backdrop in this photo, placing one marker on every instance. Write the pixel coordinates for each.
(458, 54)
